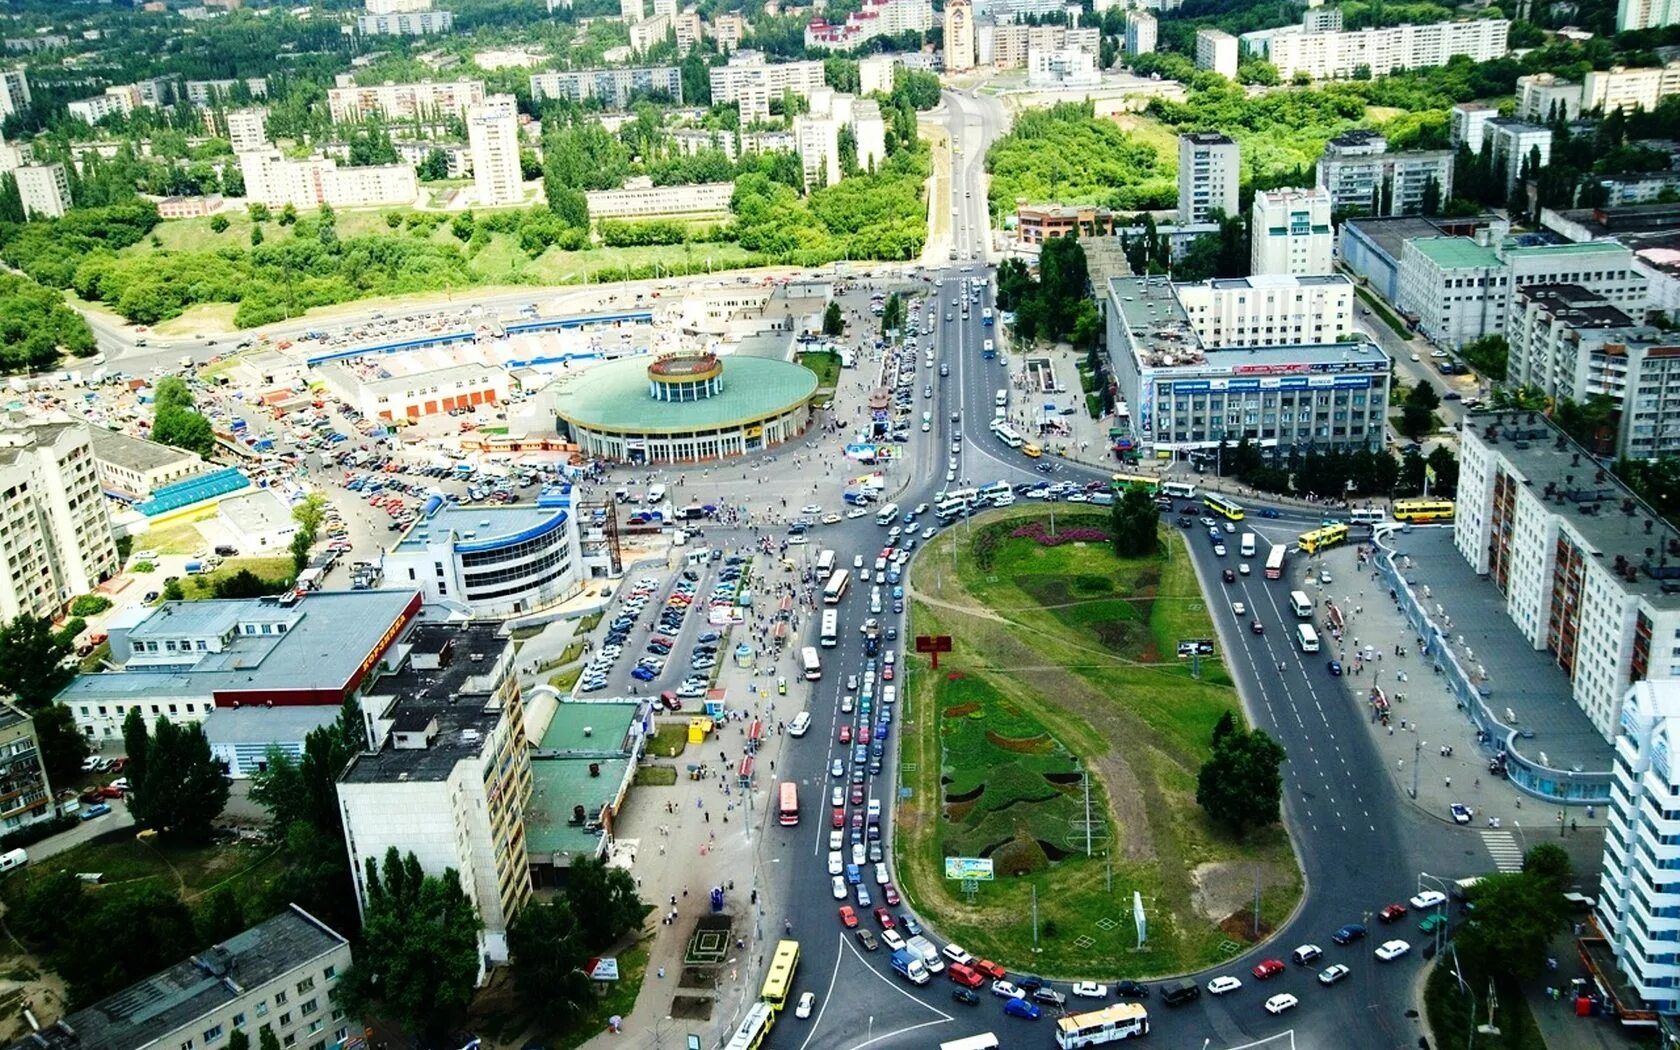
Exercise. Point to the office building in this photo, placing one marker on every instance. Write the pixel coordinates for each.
(959, 36)
(1185, 398)
(14, 92)
(447, 774)
(616, 88)
(1290, 232)
(1275, 310)
(875, 18)
(417, 23)
(44, 190)
(1646, 14)
(25, 794)
(132, 468)
(276, 977)
(1062, 68)
(1566, 545)
(1516, 145)
(1217, 50)
(750, 81)
(1469, 124)
(1339, 55)
(1209, 173)
(386, 398)
(1037, 223)
(425, 100)
(1364, 178)
(248, 129)
(1141, 33)
(274, 181)
(55, 540)
(493, 136)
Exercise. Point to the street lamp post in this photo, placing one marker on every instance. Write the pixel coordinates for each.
(1417, 756)
(1440, 928)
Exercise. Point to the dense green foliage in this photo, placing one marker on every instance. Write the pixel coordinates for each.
(872, 216)
(1487, 355)
(36, 327)
(32, 654)
(1057, 305)
(176, 787)
(1241, 786)
(1066, 155)
(138, 930)
(176, 422)
(1135, 521)
(1340, 474)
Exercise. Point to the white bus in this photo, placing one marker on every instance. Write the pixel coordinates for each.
(825, 564)
(1178, 489)
(1301, 604)
(1248, 544)
(1367, 516)
(886, 515)
(1006, 434)
(988, 1041)
(812, 663)
(830, 628)
(835, 588)
(1120, 1021)
(1002, 397)
(996, 493)
(1306, 637)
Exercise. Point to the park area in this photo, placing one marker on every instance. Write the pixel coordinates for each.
(1064, 663)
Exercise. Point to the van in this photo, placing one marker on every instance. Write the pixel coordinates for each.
(801, 724)
(1306, 638)
(1177, 993)
(16, 858)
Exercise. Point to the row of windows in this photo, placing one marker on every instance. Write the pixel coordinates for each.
(523, 585)
(555, 540)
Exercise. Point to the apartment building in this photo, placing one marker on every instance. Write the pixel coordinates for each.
(960, 49)
(1338, 55)
(425, 100)
(650, 33)
(1628, 89)
(247, 129)
(1566, 546)
(1543, 97)
(1514, 144)
(25, 794)
(617, 88)
(750, 81)
(447, 775)
(1209, 174)
(1216, 50)
(1364, 178)
(44, 190)
(1290, 232)
(276, 977)
(1188, 398)
(96, 108)
(875, 74)
(875, 18)
(14, 155)
(396, 7)
(1646, 14)
(55, 539)
(1010, 45)
(1469, 124)
(14, 92)
(493, 137)
(414, 23)
(274, 181)
(203, 93)
(729, 28)
(1142, 31)
(1275, 310)
(818, 145)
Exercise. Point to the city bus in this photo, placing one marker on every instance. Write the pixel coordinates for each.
(986, 317)
(1123, 482)
(787, 807)
(1424, 509)
(1300, 604)
(1367, 516)
(887, 515)
(835, 588)
(1227, 508)
(811, 662)
(1178, 489)
(1274, 562)
(1319, 539)
(830, 628)
(1120, 1021)
(985, 1041)
(1006, 434)
(997, 494)
(825, 564)
(778, 982)
(755, 1028)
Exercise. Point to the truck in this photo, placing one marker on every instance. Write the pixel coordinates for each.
(196, 567)
(909, 966)
(930, 955)
(871, 637)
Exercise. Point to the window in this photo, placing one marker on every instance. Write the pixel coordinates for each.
(280, 998)
(290, 1040)
(239, 1020)
(262, 1009)
(211, 1035)
(285, 1019)
(309, 1006)
(305, 985)
(329, 973)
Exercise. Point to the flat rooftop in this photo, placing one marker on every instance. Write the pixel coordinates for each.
(1457, 253)
(1261, 282)
(134, 453)
(1606, 514)
(607, 723)
(557, 785)
(1580, 307)
(476, 523)
(1391, 234)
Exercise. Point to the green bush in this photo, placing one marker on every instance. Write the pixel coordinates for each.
(89, 605)
(30, 834)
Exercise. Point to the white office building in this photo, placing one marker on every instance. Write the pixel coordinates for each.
(1216, 50)
(1142, 32)
(616, 88)
(750, 81)
(1209, 175)
(1291, 233)
(44, 190)
(1062, 68)
(493, 136)
(1276, 310)
(55, 539)
(1338, 55)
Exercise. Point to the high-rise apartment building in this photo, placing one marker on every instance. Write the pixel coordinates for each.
(1216, 50)
(1469, 124)
(274, 181)
(44, 190)
(1340, 55)
(1209, 172)
(350, 102)
(416, 23)
(1141, 33)
(876, 18)
(959, 36)
(14, 92)
(396, 7)
(493, 135)
(875, 74)
(750, 81)
(55, 539)
(1291, 232)
(248, 129)
(614, 87)
(25, 794)
(1364, 178)
(1516, 145)
(1646, 14)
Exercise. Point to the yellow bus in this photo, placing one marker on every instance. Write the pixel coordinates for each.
(755, 1027)
(1119, 1021)
(1227, 508)
(1424, 509)
(778, 983)
(1318, 539)
(1123, 482)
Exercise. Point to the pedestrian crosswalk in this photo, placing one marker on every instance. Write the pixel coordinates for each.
(1502, 846)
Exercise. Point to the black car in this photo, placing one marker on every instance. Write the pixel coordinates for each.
(1028, 982)
(966, 995)
(1129, 989)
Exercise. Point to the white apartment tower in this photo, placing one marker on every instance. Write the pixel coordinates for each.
(14, 92)
(1141, 32)
(493, 135)
(1209, 170)
(1217, 50)
(248, 129)
(55, 539)
(959, 36)
(1291, 232)
(44, 189)
(1646, 14)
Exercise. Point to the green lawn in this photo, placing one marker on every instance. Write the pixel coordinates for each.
(203, 584)
(826, 365)
(1065, 660)
(125, 859)
(669, 739)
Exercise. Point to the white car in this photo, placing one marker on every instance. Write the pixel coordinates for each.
(836, 864)
(1239, 608)
(840, 891)
(955, 953)
(892, 940)
(928, 533)
(1277, 1004)
(807, 1003)
(1090, 990)
(837, 796)
(1230, 526)
(1243, 569)
(1331, 974)
(881, 876)
(858, 854)
(856, 512)
(836, 839)
(857, 561)
(1324, 576)
(1428, 899)
(811, 508)
(1392, 950)
(831, 519)
(1223, 985)
(1007, 990)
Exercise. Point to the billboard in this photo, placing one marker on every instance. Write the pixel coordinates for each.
(978, 868)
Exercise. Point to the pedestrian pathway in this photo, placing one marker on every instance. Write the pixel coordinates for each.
(1502, 846)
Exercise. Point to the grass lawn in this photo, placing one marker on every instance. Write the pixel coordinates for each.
(588, 623)
(203, 585)
(1449, 1012)
(825, 364)
(1154, 133)
(1065, 661)
(656, 776)
(179, 538)
(669, 739)
(191, 871)
(566, 679)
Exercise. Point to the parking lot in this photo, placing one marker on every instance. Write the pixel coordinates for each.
(660, 636)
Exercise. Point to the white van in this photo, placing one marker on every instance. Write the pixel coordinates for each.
(801, 724)
(16, 858)
(889, 693)
(1306, 638)
(655, 495)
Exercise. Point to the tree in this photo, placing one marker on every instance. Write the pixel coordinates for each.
(1550, 862)
(834, 322)
(183, 789)
(304, 789)
(1517, 915)
(1241, 786)
(1134, 521)
(418, 957)
(256, 236)
(434, 167)
(547, 953)
(218, 223)
(31, 654)
(1417, 412)
(604, 900)
(183, 428)
(1488, 355)
(63, 746)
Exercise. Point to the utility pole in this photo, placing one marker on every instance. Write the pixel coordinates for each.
(1417, 753)
(1088, 815)
(1035, 917)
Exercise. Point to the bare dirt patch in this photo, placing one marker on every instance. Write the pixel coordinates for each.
(1030, 745)
(1239, 926)
(1221, 890)
(691, 1008)
(961, 710)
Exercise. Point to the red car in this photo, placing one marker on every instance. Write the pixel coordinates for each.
(848, 917)
(887, 673)
(863, 735)
(888, 893)
(966, 976)
(839, 817)
(857, 795)
(1267, 969)
(1392, 913)
(884, 917)
(845, 734)
(857, 821)
(991, 969)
